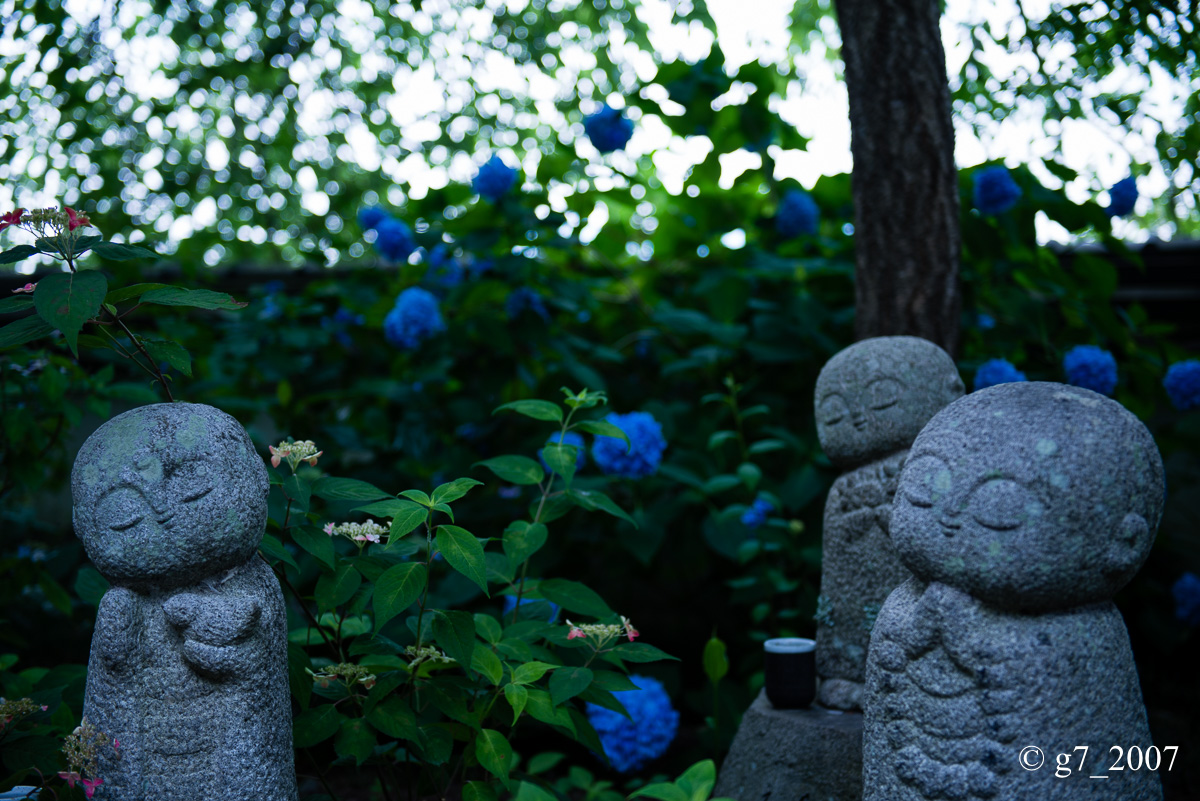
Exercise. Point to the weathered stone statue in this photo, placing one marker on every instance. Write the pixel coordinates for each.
(188, 668)
(872, 399)
(1022, 509)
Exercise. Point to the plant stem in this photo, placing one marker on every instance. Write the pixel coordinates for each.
(142, 348)
(320, 776)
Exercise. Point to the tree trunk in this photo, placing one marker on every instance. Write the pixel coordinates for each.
(906, 233)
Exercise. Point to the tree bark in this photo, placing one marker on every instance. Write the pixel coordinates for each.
(906, 232)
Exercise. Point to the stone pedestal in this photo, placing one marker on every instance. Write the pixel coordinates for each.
(812, 754)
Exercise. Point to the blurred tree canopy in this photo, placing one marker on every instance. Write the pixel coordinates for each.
(255, 131)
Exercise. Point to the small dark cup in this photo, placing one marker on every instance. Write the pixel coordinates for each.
(791, 672)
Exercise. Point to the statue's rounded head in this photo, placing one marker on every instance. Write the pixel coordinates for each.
(874, 397)
(1030, 496)
(169, 494)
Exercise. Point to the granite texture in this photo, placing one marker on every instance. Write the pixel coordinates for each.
(872, 399)
(1022, 508)
(188, 668)
(793, 755)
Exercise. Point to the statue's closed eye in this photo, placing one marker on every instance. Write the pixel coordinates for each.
(925, 479)
(833, 409)
(883, 392)
(190, 480)
(121, 509)
(1003, 504)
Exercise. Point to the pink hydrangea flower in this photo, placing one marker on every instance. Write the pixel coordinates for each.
(12, 218)
(575, 634)
(76, 221)
(27, 288)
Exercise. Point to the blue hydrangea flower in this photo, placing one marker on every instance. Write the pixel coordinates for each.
(1187, 598)
(370, 217)
(1182, 383)
(1122, 197)
(444, 269)
(985, 321)
(798, 214)
(494, 179)
(758, 512)
(415, 318)
(609, 129)
(645, 454)
(525, 299)
(1092, 368)
(394, 239)
(996, 371)
(995, 190)
(572, 438)
(537, 608)
(631, 744)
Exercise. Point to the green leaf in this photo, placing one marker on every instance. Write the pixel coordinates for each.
(749, 474)
(452, 491)
(561, 459)
(437, 744)
(397, 589)
(454, 631)
(405, 515)
(114, 251)
(464, 553)
(130, 292)
(479, 791)
(316, 542)
(355, 739)
(419, 497)
(485, 662)
(612, 681)
(602, 428)
(488, 628)
(719, 438)
(640, 652)
(494, 753)
(574, 597)
(298, 491)
(592, 500)
(15, 303)
(299, 681)
(15, 254)
(68, 300)
(90, 586)
(663, 791)
(515, 469)
(346, 489)
(195, 298)
(537, 409)
(698, 780)
(55, 594)
(334, 589)
(721, 483)
(530, 672)
(24, 330)
(517, 696)
(273, 548)
(395, 718)
(315, 725)
(716, 663)
(528, 791)
(566, 683)
(522, 540)
(174, 354)
(767, 445)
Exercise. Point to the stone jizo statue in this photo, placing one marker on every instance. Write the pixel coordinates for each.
(1021, 510)
(872, 399)
(188, 668)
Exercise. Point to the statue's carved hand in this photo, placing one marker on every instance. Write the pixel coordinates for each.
(212, 619)
(115, 634)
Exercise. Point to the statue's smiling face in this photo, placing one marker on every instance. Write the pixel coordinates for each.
(165, 500)
(1029, 496)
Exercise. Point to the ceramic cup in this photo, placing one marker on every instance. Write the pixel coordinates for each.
(791, 672)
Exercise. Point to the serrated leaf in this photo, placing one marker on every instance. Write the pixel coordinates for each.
(485, 662)
(603, 428)
(174, 354)
(315, 725)
(354, 739)
(566, 683)
(479, 791)
(454, 631)
(488, 628)
(531, 672)
(640, 652)
(130, 292)
(16, 303)
(594, 499)
(574, 597)
(115, 251)
(493, 752)
(453, 490)
(522, 540)
(397, 589)
(394, 718)
(15, 254)
(334, 589)
(612, 681)
(316, 542)
(24, 330)
(517, 696)
(537, 409)
(515, 469)
(463, 553)
(195, 298)
(68, 300)
(273, 548)
(406, 516)
(561, 459)
(90, 586)
(346, 489)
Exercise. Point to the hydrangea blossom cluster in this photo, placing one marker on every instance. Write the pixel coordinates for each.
(1122, 197)
(21, 707)
(1182, 383)
(609, 129)
(1187, 599)
(393, 239)
(798, 214)
(600, 635)
(494, 179)
(361, 533)
(646, 446)
(346, 672)
(995, 191)
(294, 453)
(444, 270)
(524, 299)
(58, 227)
(757, 513)
(426, 653)
(414, 318)
(537, 607)
(571, 438)
(996, 371)
(1092, 368)
(630, 744)
(82, 750)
